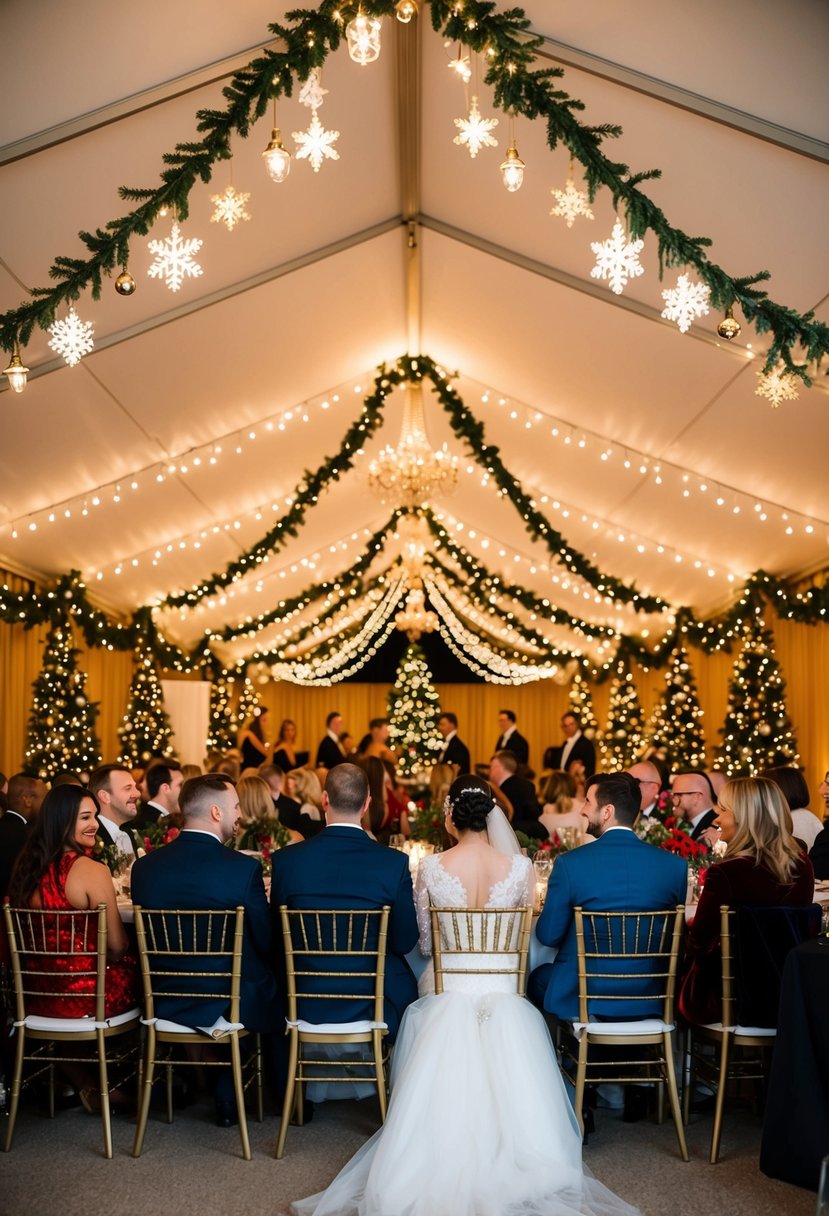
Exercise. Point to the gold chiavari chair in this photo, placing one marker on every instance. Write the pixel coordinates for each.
(195, 955)
(627, 958)
(480, 941)
(334, 956)
(46, 947)
(744, 1050)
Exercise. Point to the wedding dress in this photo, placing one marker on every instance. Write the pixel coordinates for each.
(479, 1123)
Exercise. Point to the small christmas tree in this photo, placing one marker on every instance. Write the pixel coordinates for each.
(624, 737)
(221, 733)
(61, 732)
(676, 723)
(413, 712)
(246, 707)
(581, 704)
(145, 728)
(757, 732)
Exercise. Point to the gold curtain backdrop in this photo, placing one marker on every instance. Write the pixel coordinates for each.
(802, 650)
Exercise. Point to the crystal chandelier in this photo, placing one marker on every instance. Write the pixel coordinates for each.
(408, 474)
(415, 619)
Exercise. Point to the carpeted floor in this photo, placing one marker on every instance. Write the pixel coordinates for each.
(193, 1168)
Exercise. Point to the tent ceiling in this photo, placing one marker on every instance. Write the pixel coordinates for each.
(296, 308)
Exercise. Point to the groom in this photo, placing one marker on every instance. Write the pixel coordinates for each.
(619, 873)
(343, 868)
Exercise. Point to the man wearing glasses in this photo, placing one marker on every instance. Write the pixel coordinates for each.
(691, 794)
(647, 777)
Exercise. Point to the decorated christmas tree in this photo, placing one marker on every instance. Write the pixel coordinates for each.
(757, 732)
(61, 732)
(413, 712)
(581, 704)
(246, 706)
(221, 732)
(676, 723)
(624, 737)
(145, 728)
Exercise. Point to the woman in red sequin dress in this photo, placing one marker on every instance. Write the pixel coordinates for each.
(54, 871)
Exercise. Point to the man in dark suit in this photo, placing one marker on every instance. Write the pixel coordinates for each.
(617, 873)
(526, 810)
(163, 780)
(117, 794)
(510, 738)
(818, 854)
(692, 798)
(454, 752)
(344, 868)
(196, 871)
(288, 810)
(330, 752)
(23, 800)
(576, 746)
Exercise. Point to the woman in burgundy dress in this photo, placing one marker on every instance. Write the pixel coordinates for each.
(763, 866)
(54, 871)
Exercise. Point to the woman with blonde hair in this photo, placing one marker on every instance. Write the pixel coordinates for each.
(763, 866)
(259, 821)
(562, 809)
(308, 791)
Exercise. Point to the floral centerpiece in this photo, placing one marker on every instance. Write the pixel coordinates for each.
(107, 852)
(551, 847)
(264, 837)
(670, 835)
(157, 834)
(426, 822)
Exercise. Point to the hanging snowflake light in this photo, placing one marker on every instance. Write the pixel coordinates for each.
(229, 208)
(570, 202)
(474, 131)
(777, 385)
(316, 144)
(617, 259)
(72, 337)
(174, 258)
(363, 38)
(685, 302)
(312, 93)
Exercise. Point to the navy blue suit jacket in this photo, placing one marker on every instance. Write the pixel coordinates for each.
(197, 871)
(345, 868)
(616, 873)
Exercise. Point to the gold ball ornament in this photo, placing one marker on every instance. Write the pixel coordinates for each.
(729, 328)
(125, 284)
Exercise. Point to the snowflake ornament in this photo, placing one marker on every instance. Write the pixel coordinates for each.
(72, 337)
(777, 385)
(571, 203)
(685, 302)
(174, 258)
(316, 144)
(474, 131)
(617, 259)
(312, 93)
(229, 208)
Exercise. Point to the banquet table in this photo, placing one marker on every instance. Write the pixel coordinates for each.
(796, 1123)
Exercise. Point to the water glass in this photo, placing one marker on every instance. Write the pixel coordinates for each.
(823, 1189)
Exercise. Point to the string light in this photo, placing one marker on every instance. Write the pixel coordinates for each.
(16, 372)
(512, 167)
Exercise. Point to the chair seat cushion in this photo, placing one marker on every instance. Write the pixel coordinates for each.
(336, 1027)
(220, 1028)
(644, 1026)
(756, 1032)
(77, 1025)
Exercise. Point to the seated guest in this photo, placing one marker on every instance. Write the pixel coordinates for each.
(792, 784)
(520, 792)
(23, 799)
(190, 770)
(229, 767)
(116, 793)
(378, 817)
(343, 868)
(54, 871)
(558, 798)
(693, 800)
(763, 866)
(253, 739)
(259, 821)
(163, 780)
(307, 789)
(288, 809)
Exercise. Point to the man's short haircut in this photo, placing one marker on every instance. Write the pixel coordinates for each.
(568, 713)
(451, 718)
(100, 779)
(347, 788)
(509, 714)
(268, 770)
(622, 791)
(198, 794)
(160, 772)
(21, 785)
(375, 723)
(699, 772)
(335, 713)
(508, 759)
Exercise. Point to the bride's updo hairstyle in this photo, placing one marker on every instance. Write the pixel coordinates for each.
(470, 800)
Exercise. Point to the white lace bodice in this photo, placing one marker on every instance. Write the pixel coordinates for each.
(437, 887)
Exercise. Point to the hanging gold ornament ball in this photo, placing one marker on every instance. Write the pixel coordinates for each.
(125, 283)
(728, 328)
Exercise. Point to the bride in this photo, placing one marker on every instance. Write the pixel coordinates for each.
(479, 1123)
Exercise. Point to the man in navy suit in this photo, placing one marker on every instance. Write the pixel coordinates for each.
(617, 873)
(345, 868)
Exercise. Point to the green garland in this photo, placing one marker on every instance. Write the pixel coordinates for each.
(510, 52)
